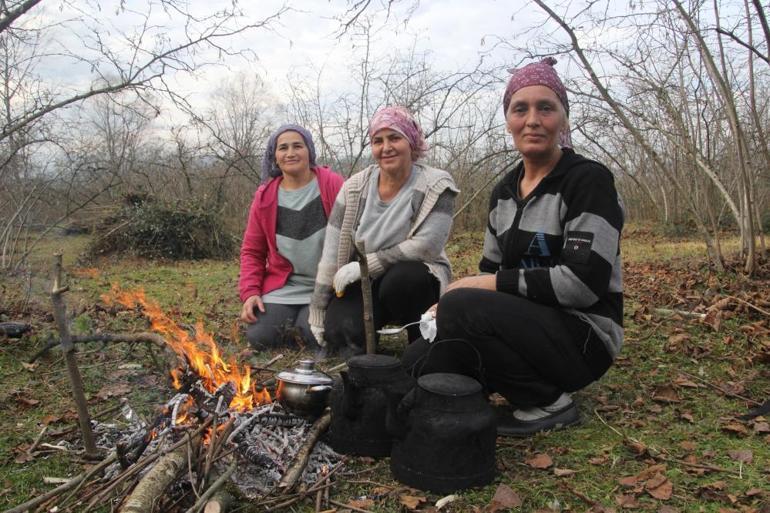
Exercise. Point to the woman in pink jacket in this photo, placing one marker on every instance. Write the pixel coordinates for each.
(283, 240)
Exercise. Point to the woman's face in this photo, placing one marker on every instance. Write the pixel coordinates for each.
(535, 118)
(291, 154)
(392, 151)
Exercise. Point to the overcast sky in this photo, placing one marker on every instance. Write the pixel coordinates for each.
(306, 38)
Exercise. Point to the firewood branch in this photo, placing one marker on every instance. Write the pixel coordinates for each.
(294, 472)
(153, 484)
(133, 338)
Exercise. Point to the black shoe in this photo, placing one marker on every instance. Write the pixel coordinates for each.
(511, 426)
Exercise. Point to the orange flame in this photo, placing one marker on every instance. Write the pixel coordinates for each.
(199, 351)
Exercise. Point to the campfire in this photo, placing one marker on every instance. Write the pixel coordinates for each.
(199, 353)
(221, 426)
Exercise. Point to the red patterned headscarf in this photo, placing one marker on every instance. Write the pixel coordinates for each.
(539, 73)
(401, 120)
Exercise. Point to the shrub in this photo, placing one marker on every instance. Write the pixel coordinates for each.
(151, 229)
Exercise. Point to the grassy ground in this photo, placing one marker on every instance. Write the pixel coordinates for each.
(660, 432)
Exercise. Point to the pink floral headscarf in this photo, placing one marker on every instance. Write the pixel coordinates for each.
(539, 73)
(401, 120)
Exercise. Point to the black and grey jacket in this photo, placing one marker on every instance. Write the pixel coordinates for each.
(560, 246)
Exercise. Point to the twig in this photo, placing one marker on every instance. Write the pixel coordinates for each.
(717, 387)
(36, 441)
(658, 455)
(754, 307)
(216, 485)
(75, 481)
(580, 495)
(667, 312)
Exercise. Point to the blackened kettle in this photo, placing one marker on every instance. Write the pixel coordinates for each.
(445, 435)
(359, 400)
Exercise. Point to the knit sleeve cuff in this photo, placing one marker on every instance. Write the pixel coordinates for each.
(508, 280)
(316, 317)
(376, 269)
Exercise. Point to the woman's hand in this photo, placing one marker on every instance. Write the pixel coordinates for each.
(482, 281)
(345, 275)
(247, 312)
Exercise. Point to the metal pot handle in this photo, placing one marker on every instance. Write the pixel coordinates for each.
(317, 389)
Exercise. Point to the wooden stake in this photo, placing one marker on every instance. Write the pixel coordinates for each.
(60, 315)
(366, 293)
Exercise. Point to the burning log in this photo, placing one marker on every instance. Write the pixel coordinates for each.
(154, 483)
(293, 473)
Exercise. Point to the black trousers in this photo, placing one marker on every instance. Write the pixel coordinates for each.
(527, 352)
(399, 296)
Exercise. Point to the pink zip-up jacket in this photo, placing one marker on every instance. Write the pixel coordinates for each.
(262, 268)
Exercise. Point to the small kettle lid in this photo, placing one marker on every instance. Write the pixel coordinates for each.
(305, 374)
(448, 384)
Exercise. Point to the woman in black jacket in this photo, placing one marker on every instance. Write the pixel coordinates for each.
(544, 316)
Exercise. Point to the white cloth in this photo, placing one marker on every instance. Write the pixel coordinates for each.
(346, 275)
(428, 325)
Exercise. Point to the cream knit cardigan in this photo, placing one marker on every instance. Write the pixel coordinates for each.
(433, 199)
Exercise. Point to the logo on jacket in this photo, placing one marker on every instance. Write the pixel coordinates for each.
(538, 247)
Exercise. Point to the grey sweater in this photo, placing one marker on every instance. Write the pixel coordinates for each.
(433, 204)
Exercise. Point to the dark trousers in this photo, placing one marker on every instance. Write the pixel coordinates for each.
(527, 352)
(399, 296)
(281, 326)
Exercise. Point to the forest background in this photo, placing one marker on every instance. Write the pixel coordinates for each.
(168, 102)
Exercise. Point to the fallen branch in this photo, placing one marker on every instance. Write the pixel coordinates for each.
(293, 473)
(72, 483)
(154, 483)
(753, 307)
(216, 485)
(133, 338)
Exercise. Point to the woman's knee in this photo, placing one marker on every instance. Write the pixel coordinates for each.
(262, 335)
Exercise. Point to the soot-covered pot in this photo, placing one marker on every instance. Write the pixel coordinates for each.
(359, 403)
(304, 390)
(445, 435)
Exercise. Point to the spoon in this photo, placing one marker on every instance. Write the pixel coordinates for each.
(393, 331)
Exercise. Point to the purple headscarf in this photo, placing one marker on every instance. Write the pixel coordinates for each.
(269, 166)
(539, 73)
(401, 120)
